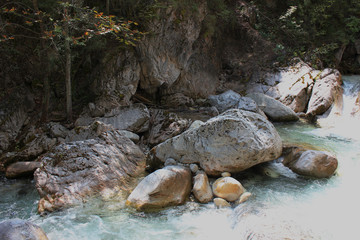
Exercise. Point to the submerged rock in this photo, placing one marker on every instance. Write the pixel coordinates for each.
(228, 188)
(231, 142)
(312, 163)
(273, 108)
(165, 187)
(105, 166)
(201, 189)
(16, 229)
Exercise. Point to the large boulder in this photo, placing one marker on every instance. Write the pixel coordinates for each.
(294, 86)
(201, 189)
(273, 108)
(16, 229)
(230, 142)
(326, 91)
(228, 188)
(165, 187)
(311, 163)
(106, 166)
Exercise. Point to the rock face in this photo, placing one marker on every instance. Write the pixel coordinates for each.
(165, 187)
(104, 166)
(326, 91)
(274, 109)
(228, 188)
(312, 163)
(230, 142)
(22, 169)
(16, 229)
(201, 189)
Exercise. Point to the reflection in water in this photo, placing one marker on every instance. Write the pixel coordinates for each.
(283, 206)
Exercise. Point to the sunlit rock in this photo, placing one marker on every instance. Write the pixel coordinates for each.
(221, 203)
(165, 187)
(201, 189)
(228, 188)
(244, 197)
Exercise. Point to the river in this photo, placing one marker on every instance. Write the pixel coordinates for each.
(285, 207)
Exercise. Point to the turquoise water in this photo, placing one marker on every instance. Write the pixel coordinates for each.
(286, 207)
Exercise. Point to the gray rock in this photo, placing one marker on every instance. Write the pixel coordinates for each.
(196, 124)
(225, 101)
(105, 167)
(326, 91)
(132, 136)
(165, 187)
(275, 110)
(194, 168)
(57, 130)
(313, 163)
(232, 142)
(177, 100)
(92, 131)
(21, 169)
(134, 118)
(170, 162)
(201, 189)
(16, 229)
(247, 104)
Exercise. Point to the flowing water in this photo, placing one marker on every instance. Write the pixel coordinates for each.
(285, 207)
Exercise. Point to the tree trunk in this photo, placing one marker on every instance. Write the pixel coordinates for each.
(67, 68)
(107, 7)
(45, 73)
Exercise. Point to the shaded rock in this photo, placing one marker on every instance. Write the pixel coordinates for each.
(132, 136)
(57, 130)
(106, 166)
(196, 124)
(313, 163)
(21, 169)
(170, 161)
(92, 131)
(165, 187)
(201, 189)
(228, 188)
(177, 100)
(248, 104)
(194, 168)
(16, 229)
(225, 101)
(221, 203)
(165, 125)
(274, 109)
(231, 142)
(325, 91)
(134, 118)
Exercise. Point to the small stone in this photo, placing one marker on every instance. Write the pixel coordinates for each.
(226, 174)
(221, 203)
(228, 188)
(170, 161)
(194, 168)
(244, 197)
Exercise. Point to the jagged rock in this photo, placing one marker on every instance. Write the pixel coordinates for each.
(274, 109)
(170, 57)
(232, 142)
(21, 169)
(105, 167)
(294, 86)
(221, 203)
(326, 90)
(57, 130)
(313, 163)
(16, 229)
(165, 125)
(201, 189)
(228, 188)
(177, 100)
(165, 187)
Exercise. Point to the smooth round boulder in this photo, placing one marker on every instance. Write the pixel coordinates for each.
(228, 188)
(314, 163)
(165, 187)
(244, 197)
(17, 229)
(201, 189)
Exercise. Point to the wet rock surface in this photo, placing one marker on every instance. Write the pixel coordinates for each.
(16, 229)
